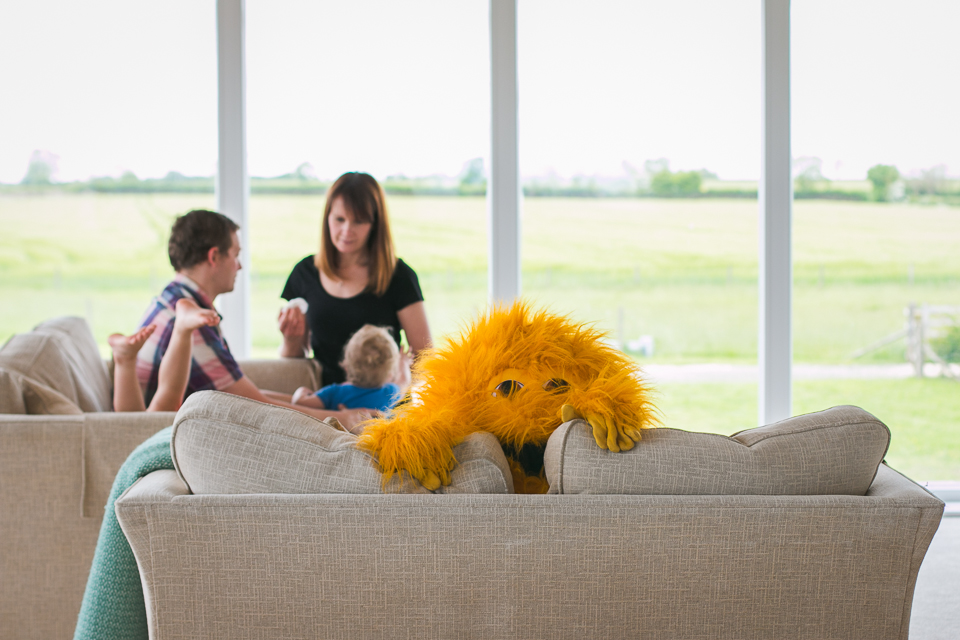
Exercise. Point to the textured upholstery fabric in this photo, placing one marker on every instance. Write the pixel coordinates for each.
(283, 374)
(56, 472)
(45, 544)
(225, 444)
(21, 395)
(62, 355)
(81, 351)
(108, 438)
(11, 392)
(481, 467)
(836, 451)
(611, 566)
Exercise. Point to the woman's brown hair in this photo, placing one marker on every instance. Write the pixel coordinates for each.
(363, 197)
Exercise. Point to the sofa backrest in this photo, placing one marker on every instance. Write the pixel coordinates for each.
(224, 444)
(282, 374)
(61, 354)
(833, 452)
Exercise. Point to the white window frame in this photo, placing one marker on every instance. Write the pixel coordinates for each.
(775, 340)
(233, 182)
(504, 199)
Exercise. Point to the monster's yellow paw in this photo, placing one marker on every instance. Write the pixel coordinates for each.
(431, 473)
(607, 433)
(429, 480)
(425, 455)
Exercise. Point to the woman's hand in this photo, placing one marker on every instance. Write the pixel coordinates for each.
(292, 322)
(293, 326)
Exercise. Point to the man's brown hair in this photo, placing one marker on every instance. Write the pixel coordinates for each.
(195, 233)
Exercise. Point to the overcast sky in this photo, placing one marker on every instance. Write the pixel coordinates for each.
(403, 87)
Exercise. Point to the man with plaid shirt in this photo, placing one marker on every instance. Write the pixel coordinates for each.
(212, 364)
(204, 250)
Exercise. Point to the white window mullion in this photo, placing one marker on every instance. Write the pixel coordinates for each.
(233, 184)
(503, 188)
(776, 203)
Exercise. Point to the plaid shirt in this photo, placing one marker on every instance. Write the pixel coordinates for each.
(212, 366)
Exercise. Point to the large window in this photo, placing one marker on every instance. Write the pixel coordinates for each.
(639, 149)
(398, 90)
(636, 122)
(877, 276)
(100, 100)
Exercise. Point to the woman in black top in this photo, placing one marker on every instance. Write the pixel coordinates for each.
(355, 279)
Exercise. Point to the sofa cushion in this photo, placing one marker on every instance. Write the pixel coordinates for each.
(19, 394)
(833, 452)
(61, 354)
(225, 444)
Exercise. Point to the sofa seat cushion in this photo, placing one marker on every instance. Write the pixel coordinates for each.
(61, 354)
(225, 444)
(833, 452)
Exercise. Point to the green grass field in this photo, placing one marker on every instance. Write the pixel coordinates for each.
(683, 271)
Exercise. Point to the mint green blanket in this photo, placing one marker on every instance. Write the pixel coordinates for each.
(113, 606)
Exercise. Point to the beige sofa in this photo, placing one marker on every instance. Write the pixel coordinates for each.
(794, 530)
(60, 448)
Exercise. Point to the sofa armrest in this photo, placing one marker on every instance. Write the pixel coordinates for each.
(282, 374)
(893, 487)
(158, 486)
(131, 509)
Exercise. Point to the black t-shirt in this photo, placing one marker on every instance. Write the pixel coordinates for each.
(333, 320)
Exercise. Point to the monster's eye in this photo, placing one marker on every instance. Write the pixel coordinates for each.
(507, 388)
(555, 385)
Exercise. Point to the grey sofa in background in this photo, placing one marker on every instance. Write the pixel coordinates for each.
(794, 530)
(60, 449)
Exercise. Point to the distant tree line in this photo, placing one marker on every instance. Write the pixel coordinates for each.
(656, 180)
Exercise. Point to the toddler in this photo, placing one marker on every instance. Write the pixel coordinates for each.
(377, 375)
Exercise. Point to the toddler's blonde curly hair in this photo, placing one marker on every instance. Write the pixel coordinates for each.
(371, 357)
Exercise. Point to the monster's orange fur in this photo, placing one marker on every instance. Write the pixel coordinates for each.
(456, 397)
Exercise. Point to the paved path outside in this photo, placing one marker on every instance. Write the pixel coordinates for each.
(697, 373)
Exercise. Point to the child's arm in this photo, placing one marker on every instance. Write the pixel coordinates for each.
(276, 395)
(307, 398)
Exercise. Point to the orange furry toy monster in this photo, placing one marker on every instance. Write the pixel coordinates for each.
(517, 374)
